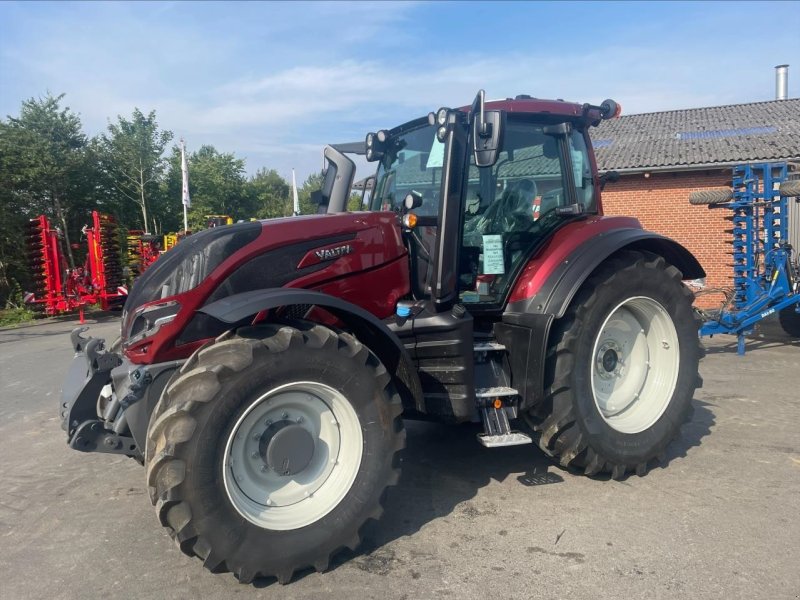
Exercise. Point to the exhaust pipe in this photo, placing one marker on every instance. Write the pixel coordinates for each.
(781, 82)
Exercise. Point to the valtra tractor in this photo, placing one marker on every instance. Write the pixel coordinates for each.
(265, 368)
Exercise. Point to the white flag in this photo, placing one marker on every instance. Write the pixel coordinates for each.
(187, 201)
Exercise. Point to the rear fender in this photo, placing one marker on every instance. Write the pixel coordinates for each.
(550, 300)
(554, 295)
(369, 330)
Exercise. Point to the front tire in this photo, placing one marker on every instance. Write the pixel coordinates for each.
(272, 447)
(622, 368)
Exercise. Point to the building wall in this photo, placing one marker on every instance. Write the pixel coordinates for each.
(661, 203)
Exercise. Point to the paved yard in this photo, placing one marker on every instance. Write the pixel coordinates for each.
(722, 520)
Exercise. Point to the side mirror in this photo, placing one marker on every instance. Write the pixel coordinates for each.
(487, 132)
(608, 177)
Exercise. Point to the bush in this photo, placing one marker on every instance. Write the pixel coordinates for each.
(15, 316)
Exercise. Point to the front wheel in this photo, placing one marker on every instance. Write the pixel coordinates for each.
(272, 447)
(622, 368)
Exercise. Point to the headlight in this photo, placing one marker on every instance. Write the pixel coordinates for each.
(147, 320)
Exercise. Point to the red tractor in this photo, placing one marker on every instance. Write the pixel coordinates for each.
(265, 368)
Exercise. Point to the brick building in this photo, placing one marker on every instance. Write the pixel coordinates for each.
(662, 157)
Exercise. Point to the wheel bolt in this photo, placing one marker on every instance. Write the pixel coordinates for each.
(285, 415)
(254, 455)
(264, 468)
(268, 422)
(299, 419)
(256, 436)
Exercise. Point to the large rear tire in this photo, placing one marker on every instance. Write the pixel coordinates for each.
(621, 370)
(272, 447)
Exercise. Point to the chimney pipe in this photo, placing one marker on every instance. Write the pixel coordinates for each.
(781, 82)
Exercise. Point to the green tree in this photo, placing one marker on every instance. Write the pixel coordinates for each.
(12, 216)
(312, 183)
(46, 166)
(216, 185)
(133, 158)
(354, 203)
(269, 194)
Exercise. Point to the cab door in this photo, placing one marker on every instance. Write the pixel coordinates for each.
(515, 205)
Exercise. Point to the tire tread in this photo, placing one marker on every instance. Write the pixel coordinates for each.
(201, 378)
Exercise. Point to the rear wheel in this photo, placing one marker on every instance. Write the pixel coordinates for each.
(272, 447)
(622, 368)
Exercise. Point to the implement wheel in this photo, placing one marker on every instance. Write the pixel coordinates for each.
(272, 447)
(621, 370)
(789, 319)
(703, 197)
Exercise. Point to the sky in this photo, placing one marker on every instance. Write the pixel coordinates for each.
(274, 82)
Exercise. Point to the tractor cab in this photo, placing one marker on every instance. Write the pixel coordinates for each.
(481, 210)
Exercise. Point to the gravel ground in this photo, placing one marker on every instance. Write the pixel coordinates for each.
(720, 521)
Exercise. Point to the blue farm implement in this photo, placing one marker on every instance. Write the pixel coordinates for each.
(766, 273)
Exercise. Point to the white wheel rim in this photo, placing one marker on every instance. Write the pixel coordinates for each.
(311, 411)
(634, 368)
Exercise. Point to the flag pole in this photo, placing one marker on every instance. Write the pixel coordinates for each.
(296, 199)
(185, 199)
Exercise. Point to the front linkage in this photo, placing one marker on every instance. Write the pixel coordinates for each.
(102, 397)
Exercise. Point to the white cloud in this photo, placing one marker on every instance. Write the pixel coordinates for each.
(274, 82)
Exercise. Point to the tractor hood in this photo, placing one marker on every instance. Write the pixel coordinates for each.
(329, 253)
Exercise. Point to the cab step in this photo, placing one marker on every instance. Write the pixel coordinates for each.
(495, 392)
(513, 438)
(494, 414)
(488, 347)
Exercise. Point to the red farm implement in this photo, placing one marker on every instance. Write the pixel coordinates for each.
(58, 289)
(143, 250)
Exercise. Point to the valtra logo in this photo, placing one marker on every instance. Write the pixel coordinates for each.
(331, 253)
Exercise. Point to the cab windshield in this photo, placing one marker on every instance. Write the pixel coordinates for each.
(413, 161)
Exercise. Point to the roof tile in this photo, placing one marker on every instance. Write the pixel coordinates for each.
(700, 136)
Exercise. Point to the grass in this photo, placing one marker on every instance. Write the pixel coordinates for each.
(16, 316)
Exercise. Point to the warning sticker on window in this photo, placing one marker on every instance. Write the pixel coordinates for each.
(493, 263)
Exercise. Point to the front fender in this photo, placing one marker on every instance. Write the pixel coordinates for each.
(370, 330)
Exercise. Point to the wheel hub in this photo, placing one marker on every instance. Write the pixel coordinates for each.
(608, 361)
(286, 447)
